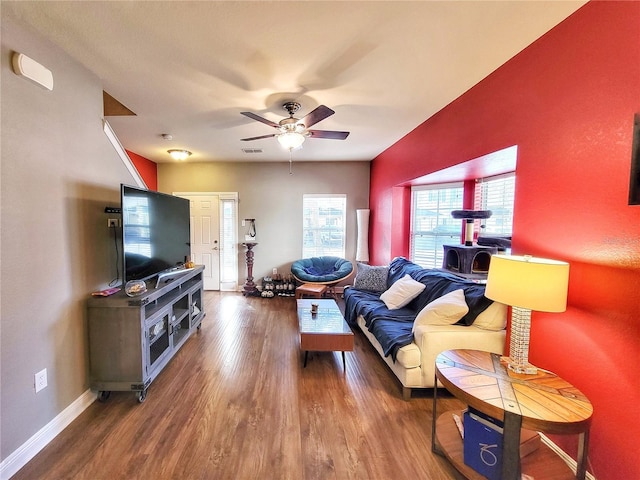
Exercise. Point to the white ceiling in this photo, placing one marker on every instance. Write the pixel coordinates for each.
(189, 68)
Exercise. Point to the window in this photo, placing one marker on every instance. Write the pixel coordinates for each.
(228, 238)
(323, 225)
(496, 194)
(432, 225)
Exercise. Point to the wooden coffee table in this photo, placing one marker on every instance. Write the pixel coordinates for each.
(325, 331)
(542, 402)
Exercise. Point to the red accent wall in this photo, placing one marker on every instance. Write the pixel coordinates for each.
(567, 102)
(147, 169)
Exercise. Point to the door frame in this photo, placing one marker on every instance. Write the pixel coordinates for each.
(224, 286)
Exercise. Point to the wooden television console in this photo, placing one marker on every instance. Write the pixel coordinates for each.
(131, 339)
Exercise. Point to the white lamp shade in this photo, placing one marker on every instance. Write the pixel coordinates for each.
(291, 140)
(538, 284)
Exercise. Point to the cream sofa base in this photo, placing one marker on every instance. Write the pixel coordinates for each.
(415, 363)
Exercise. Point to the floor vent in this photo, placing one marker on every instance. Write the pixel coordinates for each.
(252, 150)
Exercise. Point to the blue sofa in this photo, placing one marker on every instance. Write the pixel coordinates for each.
(410, 348)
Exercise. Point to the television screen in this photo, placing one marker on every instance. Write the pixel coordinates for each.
(155, 232)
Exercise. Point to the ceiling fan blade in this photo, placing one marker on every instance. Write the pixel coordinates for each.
(316, 115)
(259, 119)
(258, 138)
(330, 134)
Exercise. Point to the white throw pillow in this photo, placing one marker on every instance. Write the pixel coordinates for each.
(446, 310)
(402, 292)
(493, 318)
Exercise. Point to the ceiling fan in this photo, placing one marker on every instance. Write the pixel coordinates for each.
(292, 131)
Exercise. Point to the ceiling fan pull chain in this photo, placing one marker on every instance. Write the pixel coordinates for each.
(290, 162)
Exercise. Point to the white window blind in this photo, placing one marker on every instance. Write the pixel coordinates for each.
(432, 225)
(323, 225)
(496, 194)
(228, 255)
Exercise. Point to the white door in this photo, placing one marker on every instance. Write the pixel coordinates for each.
(205, 236)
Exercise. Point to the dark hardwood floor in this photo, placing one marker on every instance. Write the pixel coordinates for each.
(235, 403)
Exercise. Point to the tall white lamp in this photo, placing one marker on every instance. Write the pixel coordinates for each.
(526, 283)
(362, 247)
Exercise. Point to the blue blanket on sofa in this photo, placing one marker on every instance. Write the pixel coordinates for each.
(393, 328)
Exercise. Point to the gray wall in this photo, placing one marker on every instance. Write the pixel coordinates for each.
(274, 198)
(58, 173)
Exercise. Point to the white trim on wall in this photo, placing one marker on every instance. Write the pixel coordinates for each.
(572, 464)
(122, 153)
(46, 434)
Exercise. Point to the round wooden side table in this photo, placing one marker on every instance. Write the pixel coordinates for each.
(542, 402)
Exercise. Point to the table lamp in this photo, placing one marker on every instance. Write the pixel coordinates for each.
(526, 283)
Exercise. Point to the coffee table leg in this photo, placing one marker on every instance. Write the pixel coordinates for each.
(306, 355)
(344, 363)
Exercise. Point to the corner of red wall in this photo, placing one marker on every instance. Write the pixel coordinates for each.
(147, 169)
(556, 101)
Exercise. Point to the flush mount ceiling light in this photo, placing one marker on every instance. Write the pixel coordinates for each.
(179, 154)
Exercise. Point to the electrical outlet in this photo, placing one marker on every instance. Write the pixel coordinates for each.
(244, 223)
(274, 271)
(40, 380)
(113, 222)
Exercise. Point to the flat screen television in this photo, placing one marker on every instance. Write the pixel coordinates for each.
(155, 232)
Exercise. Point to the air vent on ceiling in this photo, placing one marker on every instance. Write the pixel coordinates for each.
(252, 150)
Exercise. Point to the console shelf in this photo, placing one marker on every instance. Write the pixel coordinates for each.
(541, 464)
(131, 339)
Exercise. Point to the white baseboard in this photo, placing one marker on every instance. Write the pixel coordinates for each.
(41, 439)
(573, 465)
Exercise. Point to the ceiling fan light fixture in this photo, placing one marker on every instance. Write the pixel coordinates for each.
(293, 131)
(179, 154)
(291, 140)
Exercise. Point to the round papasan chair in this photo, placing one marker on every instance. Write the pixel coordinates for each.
(322, 270)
